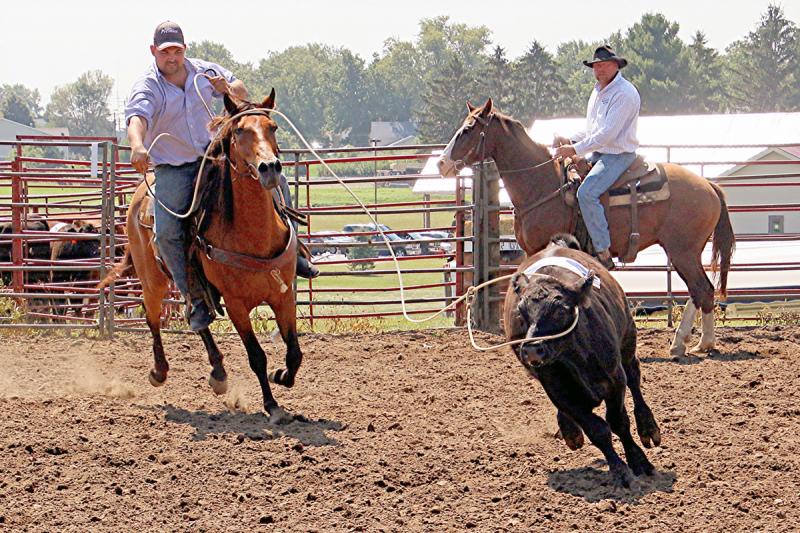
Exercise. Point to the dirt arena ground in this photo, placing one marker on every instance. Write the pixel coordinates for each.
(406, 432)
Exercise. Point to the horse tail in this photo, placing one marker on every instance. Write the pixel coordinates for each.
(120, 269)
(723, 244)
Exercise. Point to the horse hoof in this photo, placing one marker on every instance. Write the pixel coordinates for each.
(219, 387)
(651, 437)
(154, 381)
(704, 347)
(678, 351)
(574, 442)
(280, 377)
(621, 476)
(278, 416)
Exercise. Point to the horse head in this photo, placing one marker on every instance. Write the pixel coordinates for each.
(469, 144)
(248, 139)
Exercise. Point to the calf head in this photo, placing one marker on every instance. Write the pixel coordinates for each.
(546, 306)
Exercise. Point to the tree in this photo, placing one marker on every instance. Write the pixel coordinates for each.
(20, 104)
(537, 87)
(494, 80)
(578, 79)
(219, 54)
(762, 69)
(394, 80)
(443, 101)
(658, 64)
(705, 88)
(440, 40)
(17, 110)
(82, 106)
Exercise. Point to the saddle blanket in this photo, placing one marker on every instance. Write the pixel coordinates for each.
(561, 262)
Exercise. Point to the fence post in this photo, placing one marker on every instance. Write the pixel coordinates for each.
(112, 218)
(16, 222)
(486, 251)
(101, 298)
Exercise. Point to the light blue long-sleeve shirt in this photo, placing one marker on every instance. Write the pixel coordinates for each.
(178, 111)
(612, 115)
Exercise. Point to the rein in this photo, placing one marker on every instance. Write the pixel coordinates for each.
(481, 147)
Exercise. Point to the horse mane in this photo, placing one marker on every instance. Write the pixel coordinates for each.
(217, 184)
(517, 129)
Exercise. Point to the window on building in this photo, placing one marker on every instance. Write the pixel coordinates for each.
(775, 224)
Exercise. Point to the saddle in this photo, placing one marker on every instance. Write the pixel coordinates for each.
(197, 245)
(643, 183)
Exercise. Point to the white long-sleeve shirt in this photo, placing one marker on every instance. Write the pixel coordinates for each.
(611, 118)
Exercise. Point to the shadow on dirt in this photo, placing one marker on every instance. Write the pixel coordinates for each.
(593, 484)
(253, 426)
(714, 355)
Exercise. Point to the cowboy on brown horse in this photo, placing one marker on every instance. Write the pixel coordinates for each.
(164, 100)
(609, 141)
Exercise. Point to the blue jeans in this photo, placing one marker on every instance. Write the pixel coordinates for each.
(606, 170)
(175, 188)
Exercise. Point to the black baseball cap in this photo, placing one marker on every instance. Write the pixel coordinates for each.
(168, 34)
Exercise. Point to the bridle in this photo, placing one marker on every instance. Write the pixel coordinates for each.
(481, 148)
(252, 171)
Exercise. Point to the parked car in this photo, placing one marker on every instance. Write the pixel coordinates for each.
(433, 247)
(329, 242)
(399, 240)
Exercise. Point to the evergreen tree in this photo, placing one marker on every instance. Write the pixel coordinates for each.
(443, 102)
(578, 79)
(658, 64)
(762, 69)
(538, 89)
(705, 88)
(494, 79)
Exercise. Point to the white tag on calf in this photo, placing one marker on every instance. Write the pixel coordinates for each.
(562, 262)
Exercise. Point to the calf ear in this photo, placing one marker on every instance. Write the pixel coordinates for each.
(585, 288)
(519, 282)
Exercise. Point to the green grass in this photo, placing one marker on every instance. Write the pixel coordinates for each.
(335, 195)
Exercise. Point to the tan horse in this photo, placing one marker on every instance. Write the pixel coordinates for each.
(681, 224)
(249, 253)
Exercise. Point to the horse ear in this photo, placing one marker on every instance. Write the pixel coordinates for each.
(520, 282)
(231, 104)
(470, 106)
(488, 107)
(269, 101)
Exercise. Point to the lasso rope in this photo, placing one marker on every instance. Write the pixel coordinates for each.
(469, 295)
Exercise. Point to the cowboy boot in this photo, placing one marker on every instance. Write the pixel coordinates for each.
(305, 268)
(605, 259)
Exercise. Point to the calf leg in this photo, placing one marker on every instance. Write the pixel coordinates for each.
(570, 432)
(617, 418)
(240, 316)
(218, 378)
(599, 434)
(646, 425)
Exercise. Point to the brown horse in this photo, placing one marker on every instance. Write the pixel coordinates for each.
(681, 224)
(249, 252)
